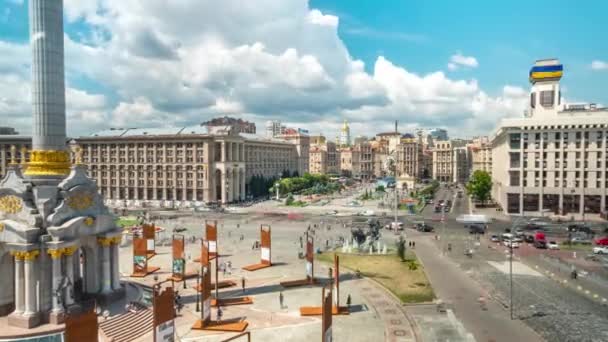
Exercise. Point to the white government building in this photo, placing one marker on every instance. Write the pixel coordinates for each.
(553, 160)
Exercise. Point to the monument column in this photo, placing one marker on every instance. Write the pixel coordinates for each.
(49, 156)
(223, 151)
(115, 263)
(106, 276)
(56, 275)
(19, 283)
(30, 282)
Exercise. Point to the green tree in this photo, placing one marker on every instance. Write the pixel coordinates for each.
(380, 188)
(401, 248)
(480, 185)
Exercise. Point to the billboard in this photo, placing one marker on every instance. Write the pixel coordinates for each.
(265, 237)
(326, 316)
(179, 260)
(164, 315)
(140, 256)
(211, 235)
(310, 258)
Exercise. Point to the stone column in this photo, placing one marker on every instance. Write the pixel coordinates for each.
(237, 185)
(244, 185)
(115, 263)
(69, 273)
(30, 282)
(19, 283)
(56, 282)
(224, 199)
(229, 186)
(106, 276)
(223, 151)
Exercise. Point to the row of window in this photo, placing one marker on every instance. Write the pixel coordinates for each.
(550, 202)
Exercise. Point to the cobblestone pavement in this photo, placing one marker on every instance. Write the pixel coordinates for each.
(397, 324)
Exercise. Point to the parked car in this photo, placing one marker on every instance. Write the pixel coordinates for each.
(603, 241)
(600, 250)
(510, 243)
(529, 238)
(429, 201)
(552, 245)
(494, 238)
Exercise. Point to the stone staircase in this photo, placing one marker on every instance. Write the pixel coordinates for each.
(128, 326)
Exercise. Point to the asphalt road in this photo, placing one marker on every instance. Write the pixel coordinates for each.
(547, 307)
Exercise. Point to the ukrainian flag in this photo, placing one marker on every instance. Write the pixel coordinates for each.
(546, 71)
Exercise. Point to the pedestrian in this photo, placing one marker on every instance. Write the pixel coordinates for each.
(243, 284)
(223, 268)
(281, 299)
(413, 244)
(348, 301)
(219, 314)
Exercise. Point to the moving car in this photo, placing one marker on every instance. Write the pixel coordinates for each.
(494, 238)
(510, 243)
(477, 229)
(600, 250)
(603, 241)
(573, 228)
(540, 241)
(529, 238)
(423, 227)
(552, 245)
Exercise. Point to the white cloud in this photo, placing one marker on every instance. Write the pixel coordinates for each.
(458, 60)
(316, 17)
(183, 63)
(599, 65)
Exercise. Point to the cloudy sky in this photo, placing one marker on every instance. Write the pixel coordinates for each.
(452, 64)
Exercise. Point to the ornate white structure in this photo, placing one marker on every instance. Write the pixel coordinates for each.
(344, 139)
(58, 242)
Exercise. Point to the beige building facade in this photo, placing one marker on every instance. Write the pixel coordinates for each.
(11, 148)
(552, 161)
(181, 166)
(481, 155)
(324, 157)
(450, 162)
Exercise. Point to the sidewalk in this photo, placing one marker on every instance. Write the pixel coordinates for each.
(397, 325)
(484, 318)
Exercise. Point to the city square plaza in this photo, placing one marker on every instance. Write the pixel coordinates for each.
(265, 317)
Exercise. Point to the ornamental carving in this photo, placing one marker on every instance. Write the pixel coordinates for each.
(48, 163)
(80, 200)
(11, 204)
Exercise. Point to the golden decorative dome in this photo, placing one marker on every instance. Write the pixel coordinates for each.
(345, 126)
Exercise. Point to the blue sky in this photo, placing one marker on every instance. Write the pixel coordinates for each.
(460, 65)
(504, 36)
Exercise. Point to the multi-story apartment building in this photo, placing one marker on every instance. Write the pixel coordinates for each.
(302, 143)
(450, 162)
(554, 158)
(350, 161)
(324, 156)
(12, 146)
(480, 154)
(197, 164)
(408, 157)
(366, 162)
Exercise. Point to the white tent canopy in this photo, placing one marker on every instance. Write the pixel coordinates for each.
(470, 219)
